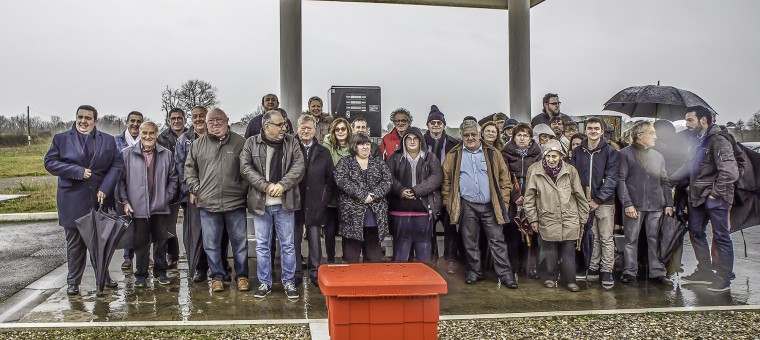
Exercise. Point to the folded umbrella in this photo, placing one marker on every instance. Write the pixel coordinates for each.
(672, 231)
(192, 238)
(654, 101)
(101, 231)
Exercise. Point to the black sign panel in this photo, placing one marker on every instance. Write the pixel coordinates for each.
(351, 102)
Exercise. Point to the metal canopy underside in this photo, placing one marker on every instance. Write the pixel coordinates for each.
(493, 4)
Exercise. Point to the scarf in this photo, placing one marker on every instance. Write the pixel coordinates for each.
(553, 173)
(523, 152)
(275, 168)
(129, 139)
(436, 146)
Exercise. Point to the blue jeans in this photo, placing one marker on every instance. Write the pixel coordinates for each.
(212, 226)
(412, 232)
(716, 212)
(284, 224)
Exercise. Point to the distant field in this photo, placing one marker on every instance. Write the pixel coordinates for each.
(23, 160)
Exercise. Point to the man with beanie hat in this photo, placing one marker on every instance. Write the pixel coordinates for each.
(506, 129)
(439, 143)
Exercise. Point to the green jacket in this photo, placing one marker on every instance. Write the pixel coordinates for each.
(212, 173)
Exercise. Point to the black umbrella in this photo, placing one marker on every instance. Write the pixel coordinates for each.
(654, 101)
(192, 238)
(672, 231)
(101, 232)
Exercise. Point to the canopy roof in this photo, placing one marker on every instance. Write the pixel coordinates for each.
(494, 4)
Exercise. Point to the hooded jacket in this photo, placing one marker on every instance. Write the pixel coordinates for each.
(253, 168)
(133, 185)
(713, 170)
(429, 175)
(598, 169)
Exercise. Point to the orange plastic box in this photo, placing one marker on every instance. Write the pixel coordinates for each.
(381, 300)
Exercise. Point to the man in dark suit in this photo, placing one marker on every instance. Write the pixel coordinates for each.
(88, 164)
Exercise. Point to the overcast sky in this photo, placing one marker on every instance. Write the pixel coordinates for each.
(118, 56)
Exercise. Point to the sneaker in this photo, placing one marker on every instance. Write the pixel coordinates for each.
(141, 283)
(704, 277)
(580, 276)
(719, 286)
(592, 276)
(262, 291)
(451, 267)
(242, 284)
(290, 291)
(608, 281)
(126, 265)
(627, 278)
(550, 284)
(217, 286)
(163, 280)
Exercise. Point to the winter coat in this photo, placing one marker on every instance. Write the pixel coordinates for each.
(518, 167)
(713, 170)
(324, 121)
(499, 183)
(133, 185)
(429, 179)
(75, 195)
(559, 208)
(180, 155)
(391, 142)
(354, 189)
(254, 170)
(601, 164)
(449, 143)
(643, 186)
(121, 141)
(336, 154)
(212, 173)
(317, 187)
(168, 139)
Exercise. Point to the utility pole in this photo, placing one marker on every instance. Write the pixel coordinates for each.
(28, 126)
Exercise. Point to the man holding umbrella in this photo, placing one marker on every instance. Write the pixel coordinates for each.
(147, 186)
(87, 163)
(712, 175)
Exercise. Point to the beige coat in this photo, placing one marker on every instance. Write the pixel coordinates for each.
(559, 208)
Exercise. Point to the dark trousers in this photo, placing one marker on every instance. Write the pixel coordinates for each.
(315, 250)
(146, 229)
(202, 265)
(76, 251)
(716, 212)
(172, 244)
(521, 253)
(452, 243)
(331, 232)
(412, 232)
(352, 249)
(557, 252)
(475, 217)
(297, 240)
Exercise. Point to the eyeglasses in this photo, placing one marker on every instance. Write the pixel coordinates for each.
(177, 118)
(470, 135)
(278, 125)
(215, 120)
(413, 139)
(435, 122)
(341, 129)
(555, 104)
(400, 121)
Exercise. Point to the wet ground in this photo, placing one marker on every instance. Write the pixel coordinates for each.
(194, 301)
(27, 252)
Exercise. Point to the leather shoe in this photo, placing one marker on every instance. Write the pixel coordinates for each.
(72, 290)
(509, 282)
(200, 276)
(110, 283)
(471, 278)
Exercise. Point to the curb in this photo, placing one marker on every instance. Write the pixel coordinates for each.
(25, 217)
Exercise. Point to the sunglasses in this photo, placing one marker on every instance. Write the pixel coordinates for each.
(341, 129)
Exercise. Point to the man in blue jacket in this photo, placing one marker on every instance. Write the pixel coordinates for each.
(88, 164)
(597, 164)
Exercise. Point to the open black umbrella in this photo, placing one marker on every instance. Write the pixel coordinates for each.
(101, 232)
(654, 101)
(192, 238)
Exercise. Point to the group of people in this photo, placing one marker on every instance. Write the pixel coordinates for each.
(511, 195)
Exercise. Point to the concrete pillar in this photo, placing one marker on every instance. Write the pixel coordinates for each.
(519, 60)
(290, 58)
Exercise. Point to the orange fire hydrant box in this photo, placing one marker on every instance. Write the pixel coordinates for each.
(382, 300)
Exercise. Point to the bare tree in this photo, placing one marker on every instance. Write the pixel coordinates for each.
(247, 118)
(191, 94)
(740, 126)
(169, 100)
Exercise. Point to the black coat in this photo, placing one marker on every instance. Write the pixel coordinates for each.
(601, 164)
(429, 179)
(354, 190)
(518, 166)
(256, 124)
(317, 186)
(642, 181)
(65, 159)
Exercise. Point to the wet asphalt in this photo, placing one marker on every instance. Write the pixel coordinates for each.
(184, 300)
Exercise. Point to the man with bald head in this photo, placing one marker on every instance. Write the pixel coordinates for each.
(212, 175)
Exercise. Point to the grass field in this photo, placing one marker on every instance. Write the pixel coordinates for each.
(23, 160)
(41, 198)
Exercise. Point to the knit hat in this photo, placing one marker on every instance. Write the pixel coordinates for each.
(553, 145)
(435, 114)
(511, 122)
